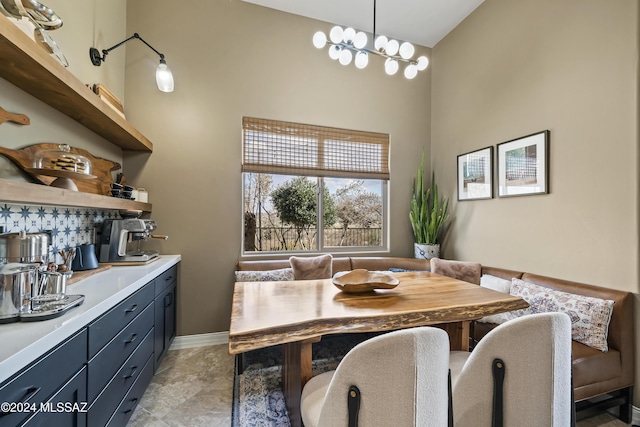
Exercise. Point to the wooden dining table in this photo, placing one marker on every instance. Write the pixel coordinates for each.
(297, 313)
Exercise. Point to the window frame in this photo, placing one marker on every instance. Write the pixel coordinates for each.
(382, 175)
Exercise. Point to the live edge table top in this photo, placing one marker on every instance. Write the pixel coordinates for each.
(270, 313)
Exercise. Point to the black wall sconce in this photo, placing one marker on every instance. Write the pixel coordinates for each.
(164, 78)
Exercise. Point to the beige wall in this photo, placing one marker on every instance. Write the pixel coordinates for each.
(95, 23)
(232, 59)
(83, 22)
(515, 67)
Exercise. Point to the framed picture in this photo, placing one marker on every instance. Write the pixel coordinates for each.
(475, 175)
(523, 165)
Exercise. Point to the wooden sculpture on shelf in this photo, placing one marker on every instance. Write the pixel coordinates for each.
(100, 168)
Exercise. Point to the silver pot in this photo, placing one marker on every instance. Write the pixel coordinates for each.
(16, 285)
(22, 255)
(24, 247)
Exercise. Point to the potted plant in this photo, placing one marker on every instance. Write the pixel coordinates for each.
(428, 214)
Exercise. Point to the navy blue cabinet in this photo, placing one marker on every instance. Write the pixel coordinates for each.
(120, 346)
(112, 396)
(67, 408)
(28, 391)
(97, 377)
(165, 313)
(103, 329)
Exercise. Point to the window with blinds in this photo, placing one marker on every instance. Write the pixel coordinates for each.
(296, 149)
(310, 188)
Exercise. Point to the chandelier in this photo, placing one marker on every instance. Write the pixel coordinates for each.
(347, 45)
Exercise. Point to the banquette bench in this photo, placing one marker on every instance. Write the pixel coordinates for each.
(602, 380)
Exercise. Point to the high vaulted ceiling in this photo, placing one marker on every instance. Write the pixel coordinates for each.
(423, 22)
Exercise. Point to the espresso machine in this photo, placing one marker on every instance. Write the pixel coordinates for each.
(121, 239)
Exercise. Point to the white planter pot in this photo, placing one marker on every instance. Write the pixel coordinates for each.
(426, 251)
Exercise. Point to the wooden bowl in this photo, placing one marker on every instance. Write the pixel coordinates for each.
(362, 280)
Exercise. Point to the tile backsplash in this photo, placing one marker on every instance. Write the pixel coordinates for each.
(69, 226)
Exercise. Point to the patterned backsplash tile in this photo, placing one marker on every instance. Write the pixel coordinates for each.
(69, 226)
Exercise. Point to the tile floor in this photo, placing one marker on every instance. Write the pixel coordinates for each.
(194, 388)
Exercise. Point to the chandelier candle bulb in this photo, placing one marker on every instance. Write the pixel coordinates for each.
(334, 52)
(392, 47)
(345, 57)
(336, 34)
(407, 50)
(362, 60)
(381, 43)
(360, 40)
(411, 71)
(348, 35)
(319, 40)
(391, 66)
(423, 63)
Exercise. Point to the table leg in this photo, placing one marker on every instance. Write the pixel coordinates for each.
(296, 371)
(458, 335)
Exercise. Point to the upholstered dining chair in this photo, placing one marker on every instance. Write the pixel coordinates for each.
(397, 379)
(519, 374)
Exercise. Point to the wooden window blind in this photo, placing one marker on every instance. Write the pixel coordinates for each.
(271, 146)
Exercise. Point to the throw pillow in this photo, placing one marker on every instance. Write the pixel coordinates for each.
(265, 276)
(495, 283)
(499, 318)
(589, 316)
(311, 268)
(466, 271)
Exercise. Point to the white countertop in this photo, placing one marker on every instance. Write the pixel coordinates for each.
(23, 342)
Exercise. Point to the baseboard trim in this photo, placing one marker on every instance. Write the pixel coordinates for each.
(635, 416)
(199, 340)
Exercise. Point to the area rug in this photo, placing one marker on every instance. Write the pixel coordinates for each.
(257, 393)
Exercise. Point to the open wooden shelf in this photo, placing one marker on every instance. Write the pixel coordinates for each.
(32, 69)
(24, 192)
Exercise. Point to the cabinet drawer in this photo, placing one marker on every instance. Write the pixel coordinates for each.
(37, 383)
(106, 363)
(131, 400)
(165, 279)
(108, 401)
(106, 327)
(67, 408)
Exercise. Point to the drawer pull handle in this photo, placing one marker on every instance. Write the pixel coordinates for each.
(134, 369)
(132, 339)
(168, 278)
(168, 303)
(31, 391)
(134, 401)
(133, 308)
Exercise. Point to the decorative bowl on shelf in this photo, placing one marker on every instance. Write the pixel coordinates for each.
(361, 280)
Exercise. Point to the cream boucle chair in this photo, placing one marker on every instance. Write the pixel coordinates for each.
(401, 377)
(534, 354)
